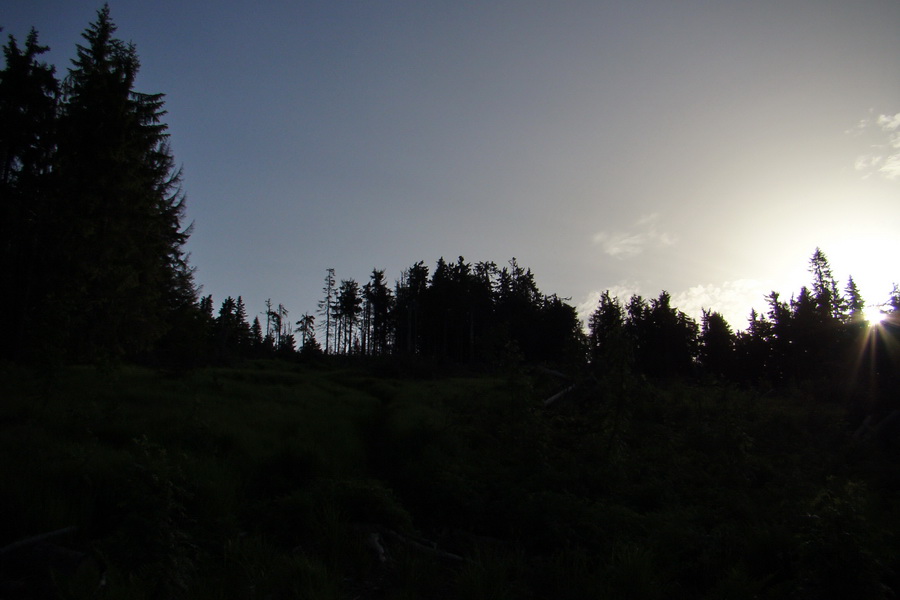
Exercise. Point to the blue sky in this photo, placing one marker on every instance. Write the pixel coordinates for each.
(701, 147)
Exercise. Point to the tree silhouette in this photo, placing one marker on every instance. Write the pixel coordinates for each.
(829, 302)
(407, 318)
(378, 301)
(854, 304)
(348, 308)
(780, 365)
(242, 327)
(559, 338)
(122, 272)
(306, 327)
(717, 345)
(326, 305)
(753, 351)
(807, 333)
(280, 327)
(256, 336)
(517, 303)
(28, 102)
(673, 339)
(608, 342)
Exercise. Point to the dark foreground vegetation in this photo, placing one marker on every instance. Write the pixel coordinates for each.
(278, 480)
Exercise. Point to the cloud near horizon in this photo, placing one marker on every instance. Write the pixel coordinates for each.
(884, 159)
(623, 291)
(732, 299)
(628, 244)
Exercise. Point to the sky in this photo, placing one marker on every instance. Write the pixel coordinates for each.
(705, 148)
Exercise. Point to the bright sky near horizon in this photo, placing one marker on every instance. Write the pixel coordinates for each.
(705, 148)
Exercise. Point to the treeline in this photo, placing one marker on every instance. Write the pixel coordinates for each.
(820, 335)
(92, 260)
(487, 315)
(461, 312)
(226, 335)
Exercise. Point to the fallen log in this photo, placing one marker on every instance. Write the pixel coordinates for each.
(374, 539)
(425, 546)
(559, 394)
(36, 539)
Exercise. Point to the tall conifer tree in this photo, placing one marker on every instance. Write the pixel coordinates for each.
(379, 299)
(326, 305)
(120, 204)
(609, 344)
(28, 101)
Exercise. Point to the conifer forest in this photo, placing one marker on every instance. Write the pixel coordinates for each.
(450, 431)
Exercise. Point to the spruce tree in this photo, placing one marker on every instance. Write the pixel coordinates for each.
(717, 344)
(349, 304)
(828, 298)
(244, 338)
(379, 299)
(227, 330)
(753, 349)
(28, 104)
(410, 292)
(123, 271)
(853, 302)
(608, 342)
(256, 336)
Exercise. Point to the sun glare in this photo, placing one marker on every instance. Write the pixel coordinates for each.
(873, 315)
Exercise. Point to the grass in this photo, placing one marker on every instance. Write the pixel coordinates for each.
(276, 480)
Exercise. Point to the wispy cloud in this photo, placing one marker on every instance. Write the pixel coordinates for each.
(883, 154)
(889, 122)
(626, 244)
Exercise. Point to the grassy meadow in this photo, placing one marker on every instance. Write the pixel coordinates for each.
(347, 481)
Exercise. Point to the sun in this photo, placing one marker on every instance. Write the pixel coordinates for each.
(873, 315)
